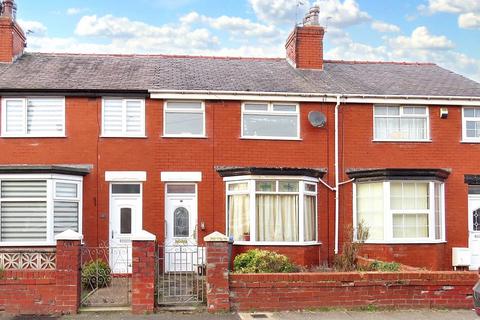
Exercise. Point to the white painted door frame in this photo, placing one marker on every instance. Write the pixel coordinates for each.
(473, 232)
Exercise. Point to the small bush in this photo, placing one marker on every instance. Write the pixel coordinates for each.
(347, 260)
(96, 274)
(384, 266)
(263, 261)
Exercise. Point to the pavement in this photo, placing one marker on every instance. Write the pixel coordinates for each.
(305, 315)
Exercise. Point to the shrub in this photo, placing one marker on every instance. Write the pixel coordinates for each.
(384, 266)
(347, 260)
(96, 274)
(263, 261)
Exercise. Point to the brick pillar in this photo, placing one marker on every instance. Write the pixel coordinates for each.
(218, 290)
(143, 272)
(68, 277)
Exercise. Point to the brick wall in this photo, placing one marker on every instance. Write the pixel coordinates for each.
(351, 290)
(304, 47)
(28, 292)
(143, 276)
(12, 40)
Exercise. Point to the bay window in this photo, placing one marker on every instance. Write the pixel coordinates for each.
(35, 208)
(276, 210)
(402, 123)
(401, 211)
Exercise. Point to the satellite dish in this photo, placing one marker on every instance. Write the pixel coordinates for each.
(317, 119)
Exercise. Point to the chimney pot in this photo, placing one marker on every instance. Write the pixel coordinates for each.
(9, 9)
(312, 17)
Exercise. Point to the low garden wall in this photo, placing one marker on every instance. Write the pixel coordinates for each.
(294, 291)
(351, 290)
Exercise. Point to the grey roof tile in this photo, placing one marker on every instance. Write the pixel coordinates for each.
(37, 71)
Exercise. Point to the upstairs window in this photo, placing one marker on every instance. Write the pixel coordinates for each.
(471, 124)
(33, 117)
(270, 121)
(184, 119)
(123, 118)
(401, 123)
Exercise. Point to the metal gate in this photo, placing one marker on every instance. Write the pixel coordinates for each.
(181, 272)
(105, 278)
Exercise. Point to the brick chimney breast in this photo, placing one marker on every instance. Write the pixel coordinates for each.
(304, 46)
(12, 37)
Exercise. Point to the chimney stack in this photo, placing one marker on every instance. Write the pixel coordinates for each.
(12, 37)
(305, 44)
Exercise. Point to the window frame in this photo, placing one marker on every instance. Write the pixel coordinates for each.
(251, 191)
(50, 199)
(388, 213)
(197, 111)
(124, 133)
(270, 112)
(25, 134)
(464, 126)
(400, 116)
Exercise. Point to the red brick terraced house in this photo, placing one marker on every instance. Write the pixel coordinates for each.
(279, 153)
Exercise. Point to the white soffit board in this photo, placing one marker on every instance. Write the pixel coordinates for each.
(126, 176)
(170, 176)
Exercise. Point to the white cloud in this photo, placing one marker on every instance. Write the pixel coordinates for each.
(332, 12)
(453, 6)
(36, 28)
(469, 20)
(422, 39)
(74, 11)
(468, 11)
(234, 25)
(384, 27)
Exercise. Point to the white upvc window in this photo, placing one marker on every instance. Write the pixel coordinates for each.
(36, 207)
(272, 210)
(184, 119)
(401, 211)
(33, 117)
(276, 121)
(471, 124)
(401, 123)
(123, 118)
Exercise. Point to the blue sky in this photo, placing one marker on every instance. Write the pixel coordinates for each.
(446, 32)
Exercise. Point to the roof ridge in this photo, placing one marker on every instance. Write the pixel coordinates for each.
(134, 55)
(381, 62)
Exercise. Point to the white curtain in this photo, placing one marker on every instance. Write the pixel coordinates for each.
(370, 208)
(310, 225)
(238, 213)
(277, 217)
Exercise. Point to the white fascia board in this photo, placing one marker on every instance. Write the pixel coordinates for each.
(314, 97)
(170, 176)
(126, 176)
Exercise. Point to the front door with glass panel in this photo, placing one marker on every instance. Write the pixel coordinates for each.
(181, 228)
(474, 230)
(125, 220)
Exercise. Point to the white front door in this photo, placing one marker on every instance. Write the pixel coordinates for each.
(125, 220)
(474, 230)
(181, 228)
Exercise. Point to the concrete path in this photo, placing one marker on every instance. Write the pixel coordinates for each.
(330, 315)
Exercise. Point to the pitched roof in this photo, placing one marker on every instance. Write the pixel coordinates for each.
(43, 71)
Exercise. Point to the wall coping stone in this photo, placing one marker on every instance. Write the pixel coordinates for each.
(69, 235)
(216, 237)
(144, 235)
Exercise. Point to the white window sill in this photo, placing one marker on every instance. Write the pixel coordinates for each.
(123, 136)
(32, 136)
(406, 242)
(28, 244)
(183, 137)
(277, 244)
(271, 138)
(470, 141)
(402, 141)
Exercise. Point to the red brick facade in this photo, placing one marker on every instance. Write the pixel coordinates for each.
(305, 47)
